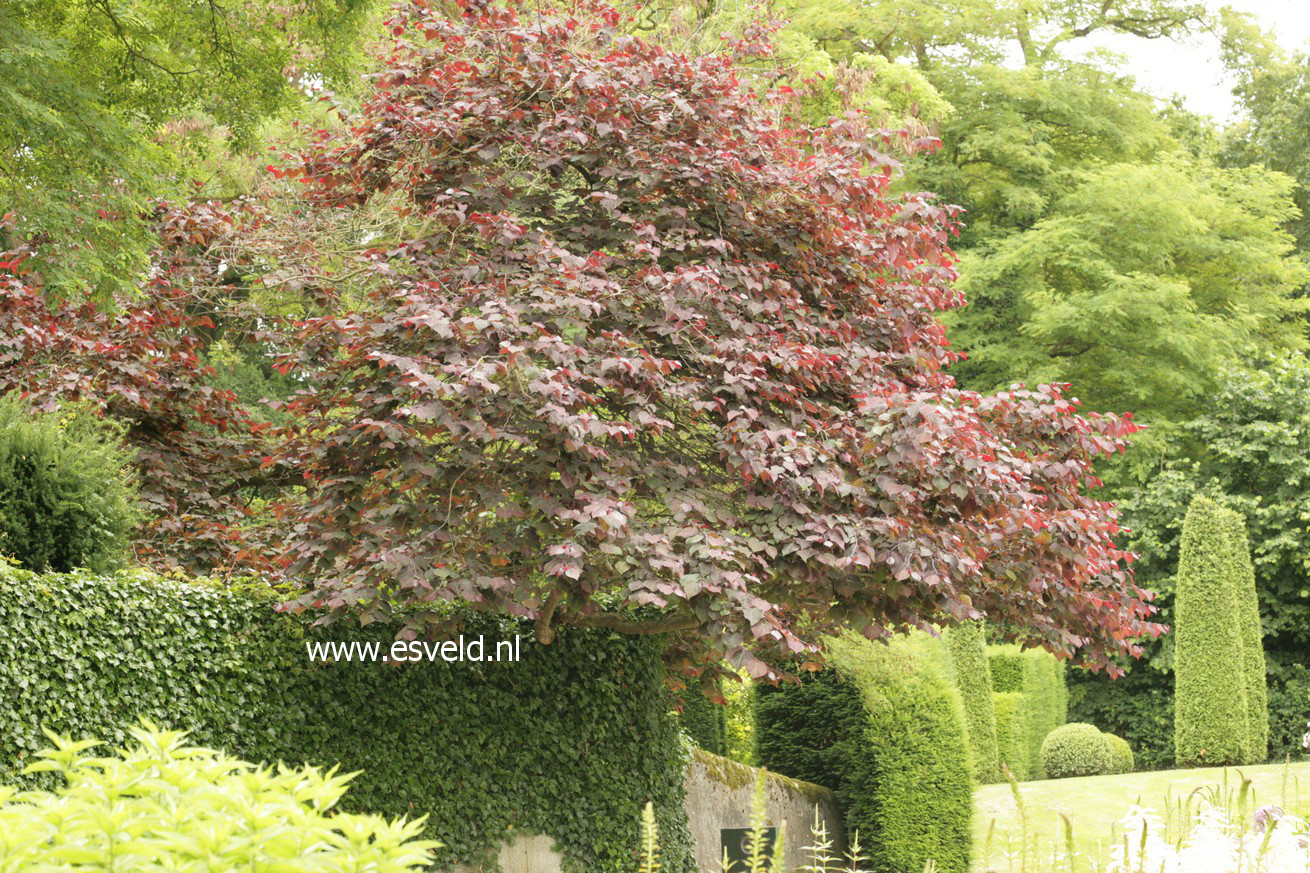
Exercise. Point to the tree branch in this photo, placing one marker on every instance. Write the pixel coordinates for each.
(546, 633)
(616, 622)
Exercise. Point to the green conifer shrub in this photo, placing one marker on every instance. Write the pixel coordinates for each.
(972, 676)
(66, 497)
(705, 721)
(884, 728)
(1011, 732)
(1039, 676)
(1210, 707)
(1252, 633)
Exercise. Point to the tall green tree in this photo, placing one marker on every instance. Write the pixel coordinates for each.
(107, 105)
(1100, 245)
(1273, 87)
(1141, 285)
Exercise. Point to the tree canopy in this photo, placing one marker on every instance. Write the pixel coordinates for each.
(595, 332)
(637, 345)
(106, 106)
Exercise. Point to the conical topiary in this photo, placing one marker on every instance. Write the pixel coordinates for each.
(1210, 709)
(1253, 652)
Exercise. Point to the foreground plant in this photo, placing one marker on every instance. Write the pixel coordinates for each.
(163, 806)
(1213, 829)
(1273, 843)
(762, 854)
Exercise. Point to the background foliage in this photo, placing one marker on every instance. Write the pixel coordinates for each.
(109, 105)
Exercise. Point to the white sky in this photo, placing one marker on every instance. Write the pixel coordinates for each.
(1193, 69)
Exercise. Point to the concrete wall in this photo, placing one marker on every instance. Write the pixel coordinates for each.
(719, 794)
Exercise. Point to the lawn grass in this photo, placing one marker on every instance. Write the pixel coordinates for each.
(1095, 804)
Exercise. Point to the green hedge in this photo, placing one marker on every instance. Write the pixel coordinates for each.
(1076, 750)
(1006, 665)
(1040, 678)
(571, 741)
(1011, 732)
(1210, 706)
(1252, 634)
(1121, 754)
(971, 675)
(884, 728)
(705, 721)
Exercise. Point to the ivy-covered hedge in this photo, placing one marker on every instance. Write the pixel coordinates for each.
(971, 675)
(1040, 678)
(884, 728)
(571, 741)
(1210, 705)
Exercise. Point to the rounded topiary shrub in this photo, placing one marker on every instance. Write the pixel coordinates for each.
(1075, 750)
(1121, 754)
(67, 499)
(198, 810)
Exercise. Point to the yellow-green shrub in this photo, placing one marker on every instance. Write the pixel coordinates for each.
(163, 806)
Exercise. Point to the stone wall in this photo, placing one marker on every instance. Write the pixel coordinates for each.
(719, 794)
